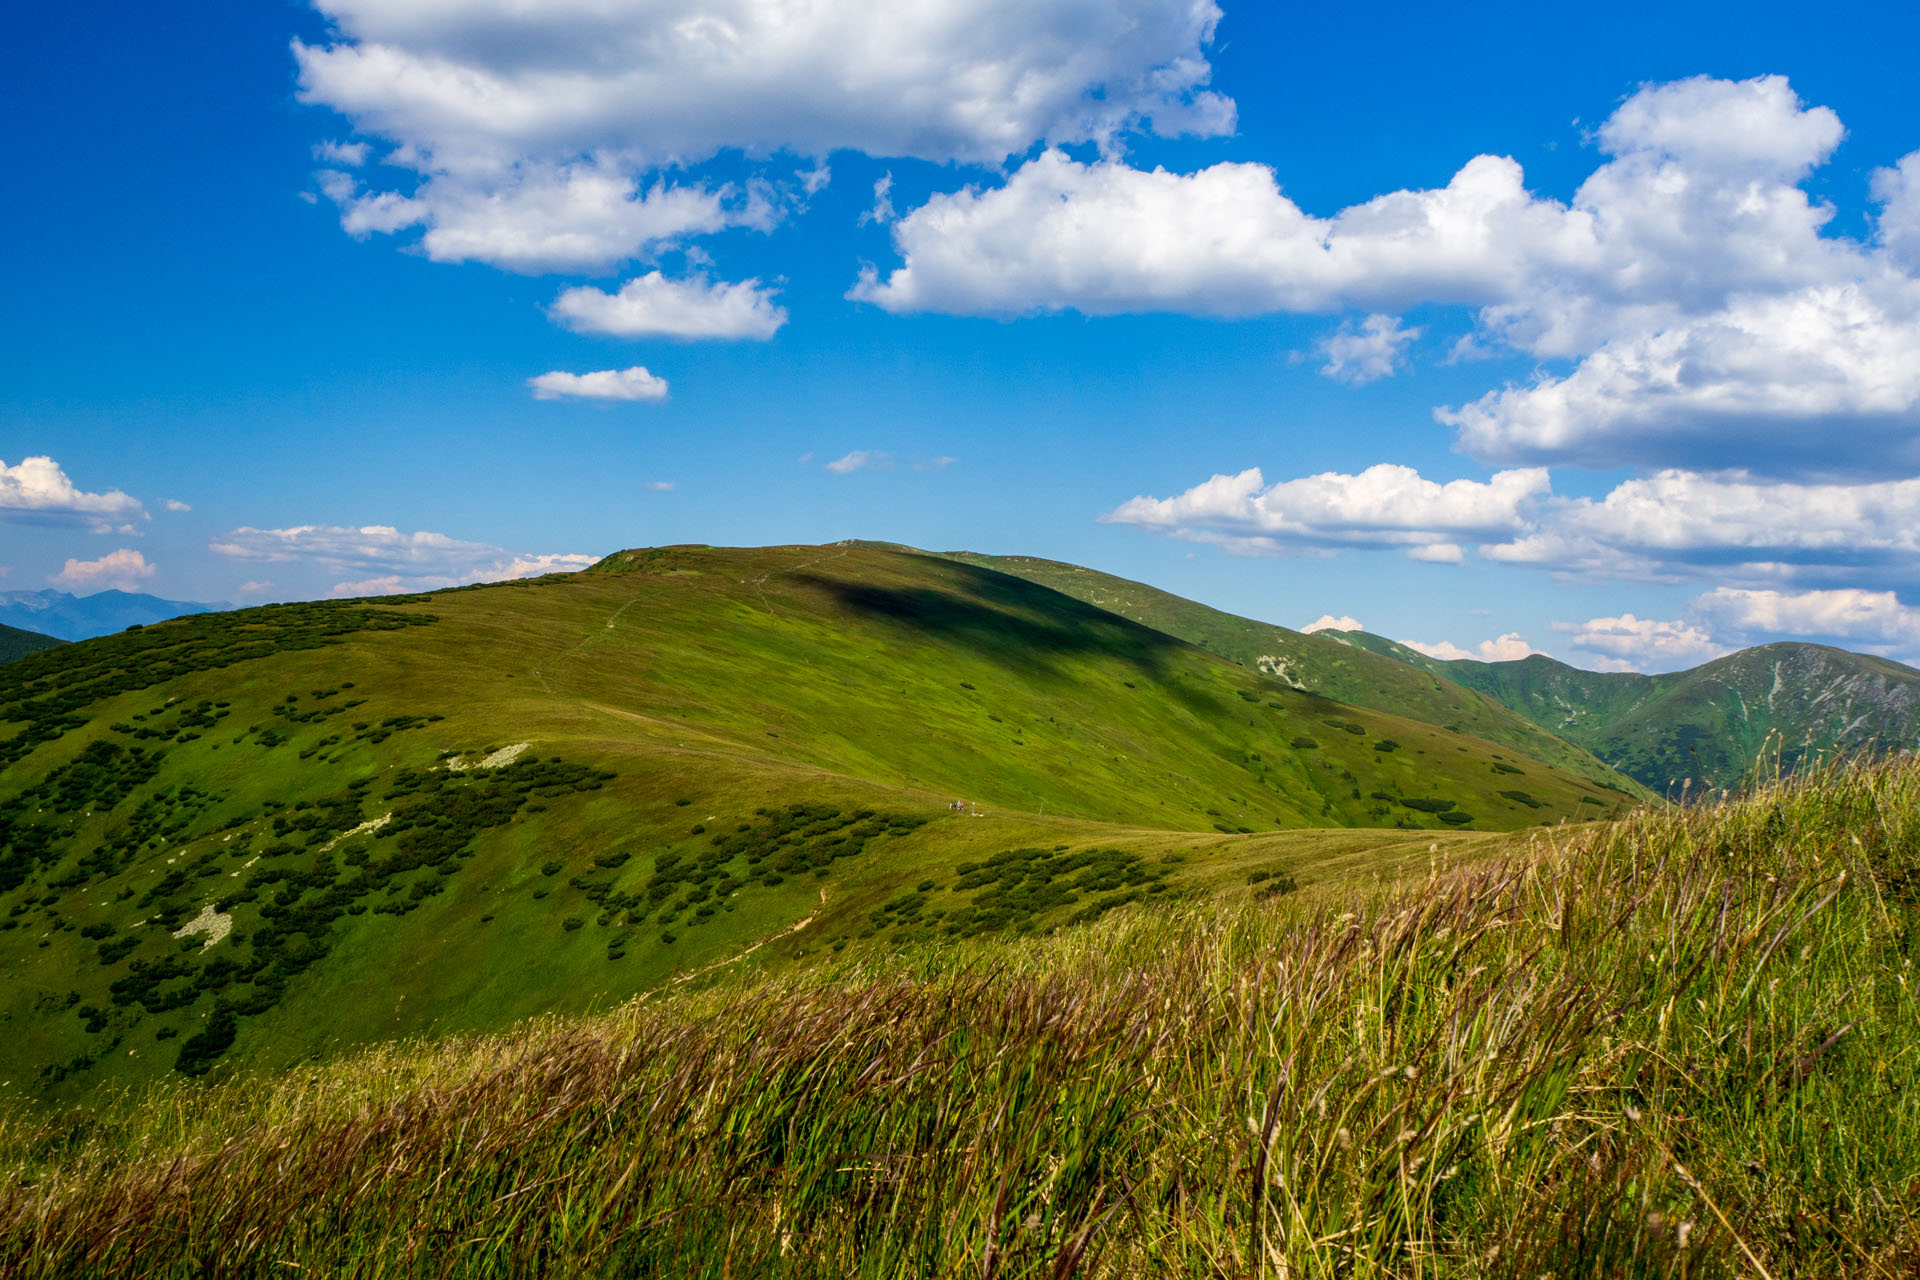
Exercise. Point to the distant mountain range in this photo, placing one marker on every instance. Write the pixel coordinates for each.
(1709, 724)
(69, 617)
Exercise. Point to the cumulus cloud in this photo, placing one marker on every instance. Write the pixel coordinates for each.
(1327, 622)
(1386, 505)
(1897, 189)
(175, 505)
(882, 211)
(349, 155)
(122, 570)
(976, 80)
(1826, 377)
(1689, 279)
(861, 460)
(653, 306)
(1366, 352)
(36, 489)
(658, 486)
(634, 384)
(531, 128)
(1671, 526)
(1846, 614)
(534, 217)
(388, 560)
(1639, 643)
(1510, 647)
(1680, 524)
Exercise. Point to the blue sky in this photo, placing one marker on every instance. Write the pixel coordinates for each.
(1597, 334)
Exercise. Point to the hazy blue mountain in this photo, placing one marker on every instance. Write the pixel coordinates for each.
(69, 617)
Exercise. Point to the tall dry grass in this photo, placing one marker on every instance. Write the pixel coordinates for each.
(1681, 1044)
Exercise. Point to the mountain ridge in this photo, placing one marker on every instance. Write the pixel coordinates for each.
(66, 616)
(1708, 725)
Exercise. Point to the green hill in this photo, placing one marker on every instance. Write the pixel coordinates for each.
(250, 837)
(1711, 724)
(1316, 662)
(17, 642)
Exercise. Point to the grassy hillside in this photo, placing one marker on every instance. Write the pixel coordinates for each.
(245, 838)
(1311, 661)
(1680, 1045)
(18, 643)
(1710, 724)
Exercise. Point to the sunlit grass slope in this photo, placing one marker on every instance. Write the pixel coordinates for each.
(1683, 1044)
(1318, 662)
(240, 839)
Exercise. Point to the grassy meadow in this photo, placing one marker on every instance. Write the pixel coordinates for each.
(699, 757)
(1680, 1043)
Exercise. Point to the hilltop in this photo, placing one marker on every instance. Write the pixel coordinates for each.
(1311, 661)
(245, 838)
(1710, 723)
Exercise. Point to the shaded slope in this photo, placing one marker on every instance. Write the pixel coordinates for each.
(17, 642)
(1311, 661)
(1711, 723)
(246, 837)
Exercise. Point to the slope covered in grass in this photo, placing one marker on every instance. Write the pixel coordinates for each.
(1686, 1043)
(1711, 724)
(244, 838)
(1321, 663)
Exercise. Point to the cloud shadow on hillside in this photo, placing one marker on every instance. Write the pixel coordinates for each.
(1030, 628)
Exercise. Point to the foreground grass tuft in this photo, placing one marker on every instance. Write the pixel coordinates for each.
(1684, 1043)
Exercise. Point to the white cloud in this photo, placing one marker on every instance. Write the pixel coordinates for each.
(1897, 189)
(1826, 377)
(658, 486)
(1680, 524)
(36, 489)
(634, 384)
(861, 460)
(349, 154)
(122, 570)
(1327, 622)
(1850, 614)
(531, 128)
(1365, 353)
(1385, 505)
(1645, 237)
(652, 306)
(1689, 278)
(1638, 643)
(882, 211)
(1507, 648)
(974, 80)
(390, 560)
(175, 505)
(1671, 526)
(537, 217)
(935, 464)
(1749, 128)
